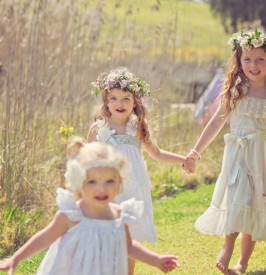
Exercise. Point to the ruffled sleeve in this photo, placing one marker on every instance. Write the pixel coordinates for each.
(132, 210)
(104, 133)
(67, 204)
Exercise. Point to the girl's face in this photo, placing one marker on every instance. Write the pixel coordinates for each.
(101, 186)
(120, 103)
(253, 64)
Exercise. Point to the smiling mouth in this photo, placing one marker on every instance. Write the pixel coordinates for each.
(101, 198)
(120, 111)
(255, 72)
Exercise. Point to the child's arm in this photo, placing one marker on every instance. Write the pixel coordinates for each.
(162, 155)
(208, 135)
(92, 132)
(165, 263)
(210, 132)
(37, 243)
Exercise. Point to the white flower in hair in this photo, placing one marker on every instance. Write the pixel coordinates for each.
(257, 42)
(248, 40)
(231, 41)
(75, 175)
(244, 44)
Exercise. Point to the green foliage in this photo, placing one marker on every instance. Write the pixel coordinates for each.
(252, 13)
(16, 227)
(174, 220)
(171, 29)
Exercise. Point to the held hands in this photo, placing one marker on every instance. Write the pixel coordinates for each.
(191, 161)
(167, 263)
(8, 264)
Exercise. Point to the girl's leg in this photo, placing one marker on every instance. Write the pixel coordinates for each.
(131, 266)
(247, 247)
(226, 253)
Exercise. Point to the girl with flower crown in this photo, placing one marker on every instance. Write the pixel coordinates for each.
(122, 122)
(89, 234)
(239, 200)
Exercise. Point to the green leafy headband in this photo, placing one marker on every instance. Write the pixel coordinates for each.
(248, 40)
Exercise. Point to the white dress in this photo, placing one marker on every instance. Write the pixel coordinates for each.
(91, 247)
(238, 204)
(140, 185)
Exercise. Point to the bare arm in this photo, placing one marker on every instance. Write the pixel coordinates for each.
(208, 134)
(92, 133)
(137, 251)
(211, 130)
(162, 155)
(37, 243)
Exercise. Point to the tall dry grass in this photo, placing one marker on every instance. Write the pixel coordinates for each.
(49, 52)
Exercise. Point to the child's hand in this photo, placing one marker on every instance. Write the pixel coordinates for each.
(191, 161)
(190, 165)
(8, 264)
(167, 263)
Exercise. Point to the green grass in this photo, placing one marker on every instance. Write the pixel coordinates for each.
(174, 219)
(185, 27)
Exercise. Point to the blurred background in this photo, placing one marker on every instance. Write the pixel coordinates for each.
(50, 51)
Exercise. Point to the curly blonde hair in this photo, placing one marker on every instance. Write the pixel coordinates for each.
(83, 156)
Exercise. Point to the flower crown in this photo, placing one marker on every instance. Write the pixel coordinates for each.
(248, 40)
(121, 79)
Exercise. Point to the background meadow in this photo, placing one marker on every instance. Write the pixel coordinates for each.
(50, 51)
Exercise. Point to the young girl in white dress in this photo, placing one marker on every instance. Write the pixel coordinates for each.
(239, 199)
(89, 233)
(122, 121)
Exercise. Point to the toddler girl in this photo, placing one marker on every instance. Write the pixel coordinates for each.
(89, 233)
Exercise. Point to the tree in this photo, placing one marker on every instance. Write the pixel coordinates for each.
(237, 13)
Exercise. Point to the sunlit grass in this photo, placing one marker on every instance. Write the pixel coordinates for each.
(174, 220)
(186, 29)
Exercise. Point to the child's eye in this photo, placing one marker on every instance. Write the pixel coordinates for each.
(91, 181)
(110, 181)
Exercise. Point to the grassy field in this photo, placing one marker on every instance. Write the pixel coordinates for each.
(174, 219)
(181, 29)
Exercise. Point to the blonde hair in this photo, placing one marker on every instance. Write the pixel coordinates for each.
(139, 110)
(83, 156)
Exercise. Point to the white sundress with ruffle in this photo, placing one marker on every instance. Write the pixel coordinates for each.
(140, 185)
(92, 246)
(238, 204)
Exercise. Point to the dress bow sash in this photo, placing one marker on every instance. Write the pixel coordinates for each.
(241, 143)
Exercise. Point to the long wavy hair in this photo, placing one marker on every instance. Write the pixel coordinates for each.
(235, 82)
